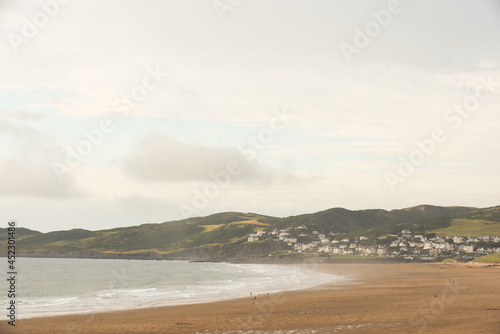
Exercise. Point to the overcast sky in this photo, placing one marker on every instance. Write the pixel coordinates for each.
(119, 113)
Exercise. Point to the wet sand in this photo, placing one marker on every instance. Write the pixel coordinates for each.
(377, 298)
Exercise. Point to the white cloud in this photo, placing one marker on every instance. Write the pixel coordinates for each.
(160, 157)
(26, 161)
(352, 121)
(31, 174)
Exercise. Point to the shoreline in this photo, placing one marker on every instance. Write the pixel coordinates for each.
(296, 258)
(394, 298)
(301, 280)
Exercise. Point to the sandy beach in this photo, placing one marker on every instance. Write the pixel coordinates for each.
(375, 298)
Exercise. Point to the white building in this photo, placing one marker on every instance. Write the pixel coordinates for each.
(283, 235)
(381, 251)
(325, 249)
(253, 238)
(370, 250)
(467, 248)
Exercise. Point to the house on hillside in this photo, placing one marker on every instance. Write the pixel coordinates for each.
(283, 235)
(485, 238)
(360, 249)
(253, 238)
(325, 249)
(370, 251)
(436, 251)
(467, 248)
(381, 250)
(450, 247)
(260, 233)
(480, 250)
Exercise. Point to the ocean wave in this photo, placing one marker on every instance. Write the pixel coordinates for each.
(181, 283)
(142, 290)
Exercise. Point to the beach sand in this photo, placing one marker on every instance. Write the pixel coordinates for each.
(377, 298)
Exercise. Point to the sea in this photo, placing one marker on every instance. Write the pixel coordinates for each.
(48, 287)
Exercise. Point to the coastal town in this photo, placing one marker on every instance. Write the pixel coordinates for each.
(406, 244)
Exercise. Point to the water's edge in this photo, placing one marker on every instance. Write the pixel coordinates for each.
(300, 277)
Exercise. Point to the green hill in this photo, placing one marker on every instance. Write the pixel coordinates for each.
(490, 258)
(224, 235)
(473, 222)
(470, 227)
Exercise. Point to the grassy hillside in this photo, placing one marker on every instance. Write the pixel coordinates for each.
(425, 211)
(492, 213)
(466, 227)
(217, 229)
(224, 235)
(341, 220)
(490, 258)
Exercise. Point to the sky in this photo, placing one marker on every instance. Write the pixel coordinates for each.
(120, 113)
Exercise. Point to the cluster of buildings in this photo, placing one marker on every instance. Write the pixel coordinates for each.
(406, 244)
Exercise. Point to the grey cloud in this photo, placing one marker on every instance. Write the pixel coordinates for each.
(27, 169)
(160, 157)
(31, 174)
